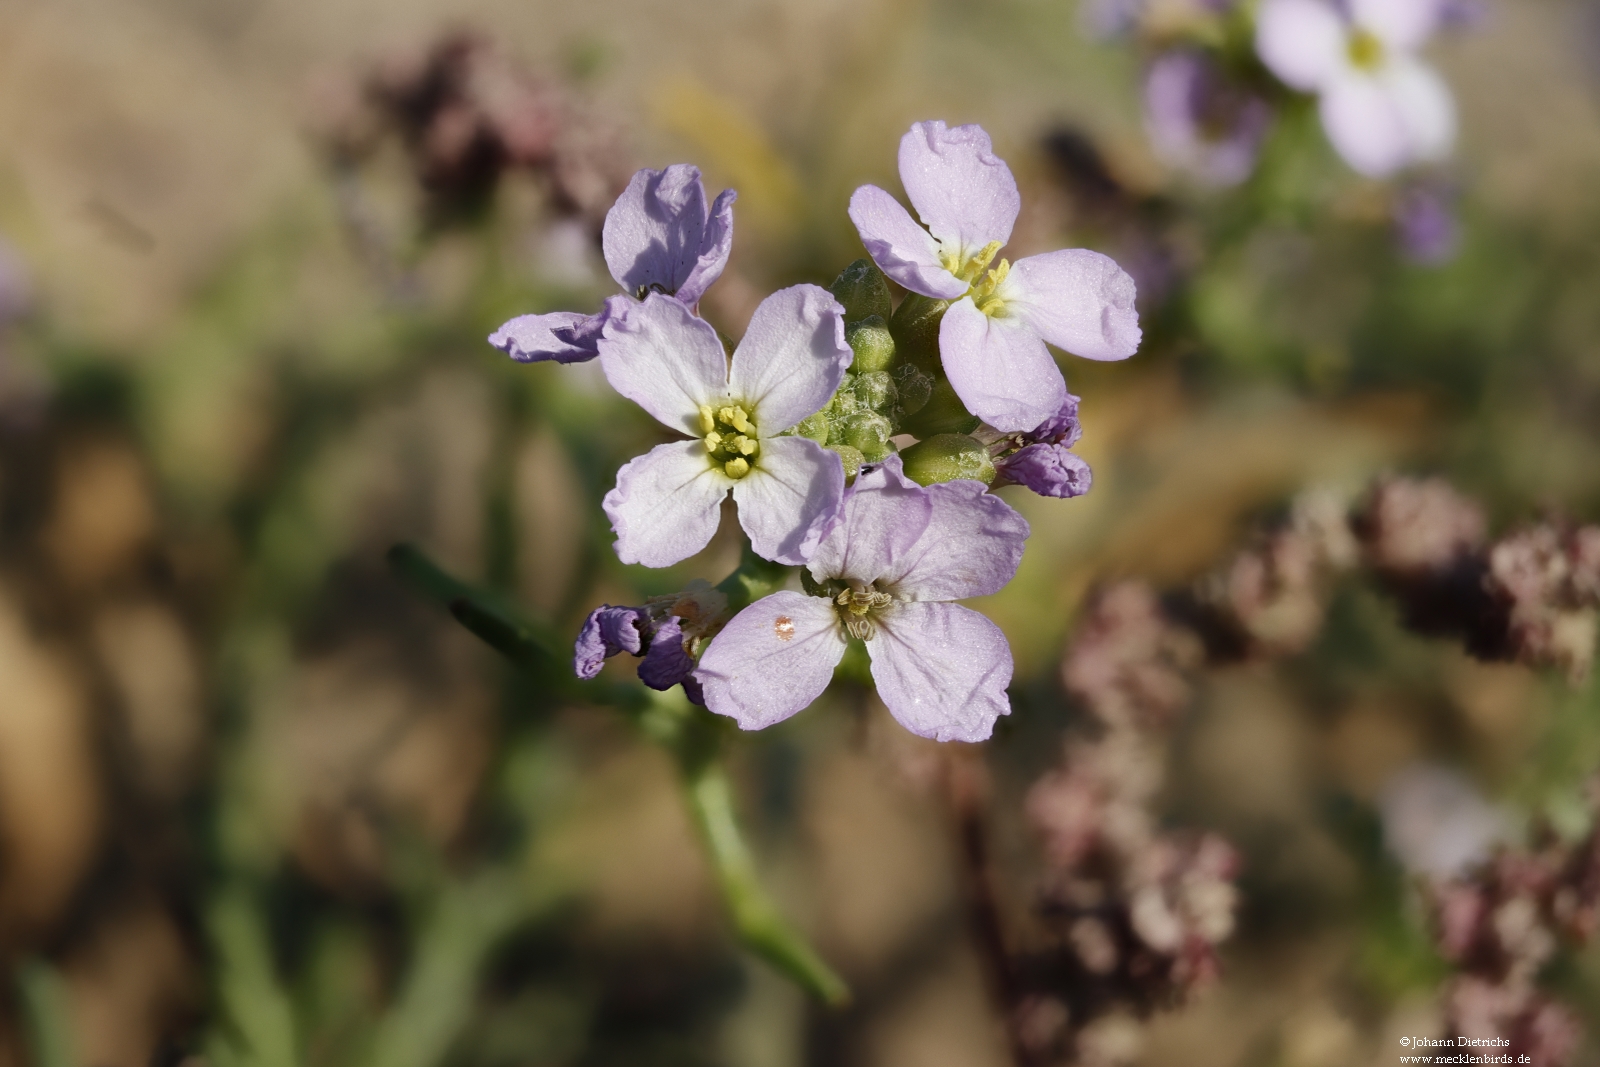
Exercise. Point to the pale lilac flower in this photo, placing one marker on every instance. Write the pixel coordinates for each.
(992, 338)
(1199, 122)
(886, 571)
(1042, 459)
(793, 357)
(1382, 108)
(659, 237)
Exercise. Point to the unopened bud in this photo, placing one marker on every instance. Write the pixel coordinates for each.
(875, 390)
(947, 457)
(850, 457)
(868, 432)
(913, 387)
(815, 427)
(872, 343)
(915, 327)
(943, 413)
(863, 290)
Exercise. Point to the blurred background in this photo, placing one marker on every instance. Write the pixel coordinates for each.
(261, 803)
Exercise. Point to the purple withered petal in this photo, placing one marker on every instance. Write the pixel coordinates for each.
(1062, 428)
(772, 660)
(667, 662)
(902, 250)
(536, 338)
(607, 631)
(716, 243)
(964, 193)
(941, 670)
(1048, 469)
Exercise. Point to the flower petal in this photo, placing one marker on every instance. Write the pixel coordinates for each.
(901, 249)
(773, 659)
(942, 670)
(999, 368)
(668, 662)
(532, 338)
(789, 498)
(665, 360)
(606, 632)
(882, 516)
(1365, 126)
(964, 193)
(1077, 300)
(1303, 42)
(715, 244)
(1404, 25)
(1426, 108)
(1047, 469)
(971, 546)
(666, 505)
(652, 234)
(792, 358)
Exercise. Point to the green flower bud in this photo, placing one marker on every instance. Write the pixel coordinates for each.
(875, 390)
(851, 458)
(943, 413)
(863, 290)
(915, 328)
(946, 457)
(912, 388)
(867, 432)
(845, 401)
(870, 340)
(815, 427)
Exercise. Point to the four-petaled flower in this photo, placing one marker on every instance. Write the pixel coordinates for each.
(659, 237)
(885, 574)
(992, 338)
(791, 361)
(1381, 107)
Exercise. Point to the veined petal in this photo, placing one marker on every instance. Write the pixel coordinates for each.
(1403, 25)
(882, 516)
(1077, 300)
(901, 249)
(715, 245)
(942, 670)
(1426, 108)
(532, 338)
(999, 368)
(789, 498)
(652, 234)
(1303, 42)
(666, 505)
(773, 659)
(665, 360)
(792, 357)
(1365, 125)
(971, 547)
(964, 193)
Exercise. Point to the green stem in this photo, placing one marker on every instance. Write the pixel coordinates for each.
(46, 1015)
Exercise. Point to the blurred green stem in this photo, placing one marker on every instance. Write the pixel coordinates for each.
(691, 734)
(46, 1014)
(260, 1030)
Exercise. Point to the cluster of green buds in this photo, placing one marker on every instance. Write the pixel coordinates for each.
(896, 386)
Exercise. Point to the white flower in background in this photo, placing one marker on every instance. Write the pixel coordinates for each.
(1381, 106)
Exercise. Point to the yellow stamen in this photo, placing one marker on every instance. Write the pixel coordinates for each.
(708, 419)
(713, 441)
(737, 467)
(747, 447)
(1366, 51)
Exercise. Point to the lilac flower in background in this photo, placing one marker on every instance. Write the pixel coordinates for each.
(1200, 123)
(666, 632)
(1104, 20)
(1382, 108)
(659, 237)
(16, 288)
(1425, 224)
(886, 571)
(793, 357)
(1437, 823)
(992, 338)
(1043, 460)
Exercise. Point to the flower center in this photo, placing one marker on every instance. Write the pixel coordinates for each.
(1366, 51)
(983, 284)
(730, 439)
(857, 608)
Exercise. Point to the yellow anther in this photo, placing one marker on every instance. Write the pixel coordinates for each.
(713, 441)
(747, 447)
(708, 419)
(1366, 51)
(741, 421)
(737, 467)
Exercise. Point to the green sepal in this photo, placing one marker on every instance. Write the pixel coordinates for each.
(863, 290)
(915, 328)
(872, 344)
(947, 457)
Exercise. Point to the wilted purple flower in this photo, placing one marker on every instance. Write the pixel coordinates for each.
(793, 357)
(1425, 223)
(1199, 122)
(1381, 107)
(886, 572)
(1043, 460)
(659, 237)
(666, 631)
(992, 338)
